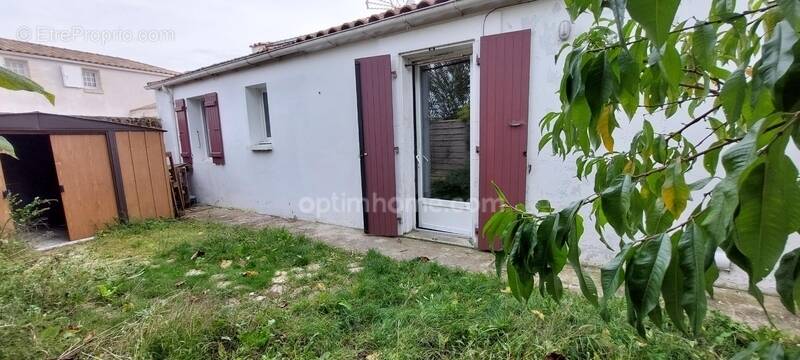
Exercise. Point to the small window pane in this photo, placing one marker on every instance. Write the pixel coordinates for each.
(265, 101)
(90, 79)
(20, 67)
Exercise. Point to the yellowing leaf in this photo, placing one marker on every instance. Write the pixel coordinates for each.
(630, 167)
(605, 125)
(675, 192)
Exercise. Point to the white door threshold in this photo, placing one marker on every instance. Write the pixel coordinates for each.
(441, 237)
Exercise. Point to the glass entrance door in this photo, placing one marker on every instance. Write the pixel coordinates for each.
(443, 144)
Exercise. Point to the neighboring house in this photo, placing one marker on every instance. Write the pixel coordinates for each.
(421, 107)
(83, 83)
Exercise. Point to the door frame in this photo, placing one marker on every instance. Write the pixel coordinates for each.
(469, 240)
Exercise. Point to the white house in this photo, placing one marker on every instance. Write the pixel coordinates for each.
(83, 83)
(305, 127)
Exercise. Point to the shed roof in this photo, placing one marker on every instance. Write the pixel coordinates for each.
(44, 123)
(22, 47)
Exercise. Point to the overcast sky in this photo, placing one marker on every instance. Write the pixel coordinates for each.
(176, 34)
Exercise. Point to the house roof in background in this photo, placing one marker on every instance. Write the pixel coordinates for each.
(27, 48)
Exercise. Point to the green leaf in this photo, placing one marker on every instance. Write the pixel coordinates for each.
(692, 252)
(655, 16)
(671, 66)
(576, 7)
(554, 286)
(672, 289)
(700, 184)
(732, 96)
(12, 81)
(616, 201)
(722, 9)
(612, 275)
(497, 224)
(786, 98)
(791, 12)
(645, 274)
(7, 148)
(600, 83)
(548, 232)
(588, 289)
(787, 278)
(776, 55)
(544, 206)
(659, 219)
(704, 40)
(629, 83)
(675, 192)
(711, 160)
(520, 288)
(711, 276)
(725, 196)
(769, 209)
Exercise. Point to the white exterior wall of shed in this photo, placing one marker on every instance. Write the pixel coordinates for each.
(313, 110)
(122, 90)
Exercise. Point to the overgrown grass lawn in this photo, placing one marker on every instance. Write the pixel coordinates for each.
(190, 290)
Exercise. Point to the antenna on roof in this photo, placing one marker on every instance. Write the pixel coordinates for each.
(387, 4)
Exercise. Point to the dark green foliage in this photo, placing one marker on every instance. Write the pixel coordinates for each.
(731, 78)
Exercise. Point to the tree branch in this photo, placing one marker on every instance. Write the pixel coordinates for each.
(694, 121)
(676, 102)
(690, 158)
(685, 28)
(698, 87)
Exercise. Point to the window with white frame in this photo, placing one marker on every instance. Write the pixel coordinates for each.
(198, 126)
(91, 79)
(20, 67)
(258, 116)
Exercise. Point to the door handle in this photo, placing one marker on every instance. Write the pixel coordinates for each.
(515, 124)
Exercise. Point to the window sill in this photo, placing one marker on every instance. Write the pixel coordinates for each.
(93, 91)
(261, 147)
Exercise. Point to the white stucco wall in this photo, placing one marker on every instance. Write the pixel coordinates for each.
(314, 115)
(122, 90)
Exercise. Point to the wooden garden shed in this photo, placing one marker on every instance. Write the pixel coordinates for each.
(99, 170)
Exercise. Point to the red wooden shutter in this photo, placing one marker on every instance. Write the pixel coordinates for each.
(376, 133)
(183, 131)
(505, 78)
(211, 108)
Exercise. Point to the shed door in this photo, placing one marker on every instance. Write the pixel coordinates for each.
(84, 173)
(376, 130)
(505, 78)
